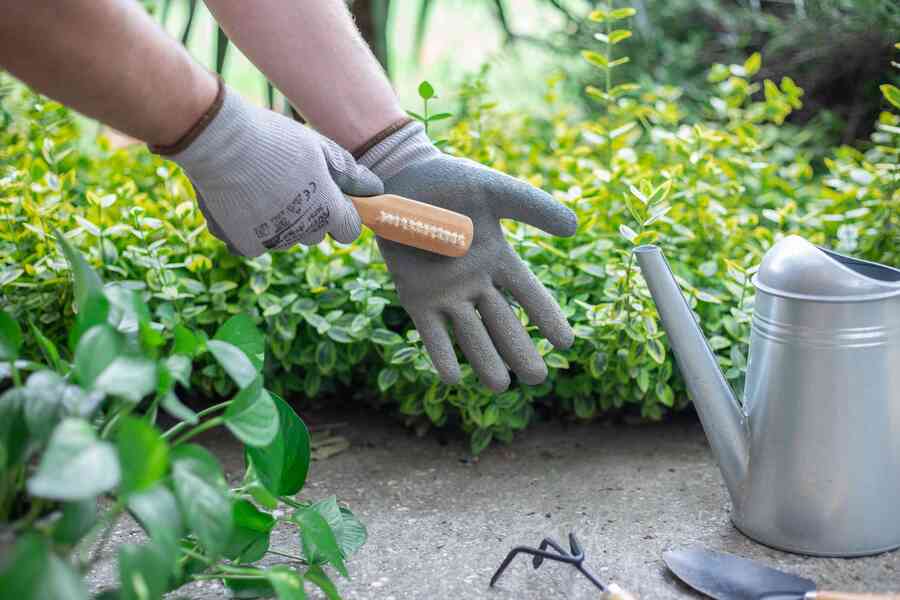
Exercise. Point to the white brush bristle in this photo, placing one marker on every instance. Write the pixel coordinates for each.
(435, 232)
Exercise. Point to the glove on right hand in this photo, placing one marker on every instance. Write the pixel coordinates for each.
(466, 293)
(265, 182)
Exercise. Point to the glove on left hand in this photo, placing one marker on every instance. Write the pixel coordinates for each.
(467, 292)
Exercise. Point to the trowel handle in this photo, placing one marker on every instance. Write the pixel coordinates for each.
(820, 595)
(614, 592)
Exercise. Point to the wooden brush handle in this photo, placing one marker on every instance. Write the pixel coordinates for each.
(849, 596)
(416, 224)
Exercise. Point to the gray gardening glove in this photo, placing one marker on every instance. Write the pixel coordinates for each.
(265, 182)
(466, 295)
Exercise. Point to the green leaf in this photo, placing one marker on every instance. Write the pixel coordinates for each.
(186, 341)
(349, 532)
(94, 311)
(250, 588)
(480, 440)
(250, 533)
(75, 466)
(619, 35)
(96, 349)
(621, 13)
(326, 355)
(404, 355)
(288, 584)
(48, 348)
(77, 519)
(596, 59)
(656, 350)
(87, 282)
(234, 361)
(426, 91)
(665, 394)
(316, 575)
(252, 416)
(179, 367)
(10, 337)
(144, 571)
(31, 571)
(557, 361)
(157, 512)
(143, 455)
(627, 232)
(386, 378)
(717, 342)
(241, 331)
(318, 539)
(439, 116)
(282, 465)
(752, 64)
(203, 496)
(128, 377)
(891, 94)
(14, 438)
(43, 402)
(385, 337)
(172, 405)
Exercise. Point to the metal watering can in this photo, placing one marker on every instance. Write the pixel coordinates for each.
(811, 458)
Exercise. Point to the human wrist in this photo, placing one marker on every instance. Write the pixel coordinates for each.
(403, 145)
(203, 111)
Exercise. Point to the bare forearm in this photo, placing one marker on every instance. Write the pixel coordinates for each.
(313, 53)
(108, 60)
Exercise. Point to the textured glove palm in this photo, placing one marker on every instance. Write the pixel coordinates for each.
(265, 182)
(466, 294)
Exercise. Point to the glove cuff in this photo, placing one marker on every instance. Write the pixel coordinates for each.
(407, 146)
(197, 128)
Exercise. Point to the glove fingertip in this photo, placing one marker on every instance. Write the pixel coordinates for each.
(563, 338)
(564, 222)
(347, 224)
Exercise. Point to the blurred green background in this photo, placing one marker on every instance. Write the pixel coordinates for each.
(836, 50)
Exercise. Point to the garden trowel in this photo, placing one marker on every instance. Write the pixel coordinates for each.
(728, 577)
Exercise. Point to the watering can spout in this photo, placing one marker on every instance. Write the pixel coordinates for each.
(723, 419)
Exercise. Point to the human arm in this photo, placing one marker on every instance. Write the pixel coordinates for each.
(263, 181)
(312, 52)
(108, 60)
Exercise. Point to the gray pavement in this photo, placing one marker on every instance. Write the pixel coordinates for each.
(440, 523)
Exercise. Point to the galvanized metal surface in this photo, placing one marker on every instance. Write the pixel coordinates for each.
(812, 459)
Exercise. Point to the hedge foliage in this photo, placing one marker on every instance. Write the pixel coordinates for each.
(715, 192)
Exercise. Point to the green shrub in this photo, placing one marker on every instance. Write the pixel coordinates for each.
(70, 434)
(715, 192)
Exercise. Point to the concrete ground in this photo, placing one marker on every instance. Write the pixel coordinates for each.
(440, 523)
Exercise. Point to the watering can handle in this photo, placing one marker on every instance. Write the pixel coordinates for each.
(849, 596)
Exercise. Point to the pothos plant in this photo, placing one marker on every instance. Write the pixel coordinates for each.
(81, 445)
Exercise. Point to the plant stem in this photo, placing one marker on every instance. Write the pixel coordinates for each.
(206, 411)
(289, 556)
(14, 370)
(214, 422)
(197, 555)
(206, 576)
(290, 502)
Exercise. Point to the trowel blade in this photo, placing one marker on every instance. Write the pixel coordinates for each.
(728, 577)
